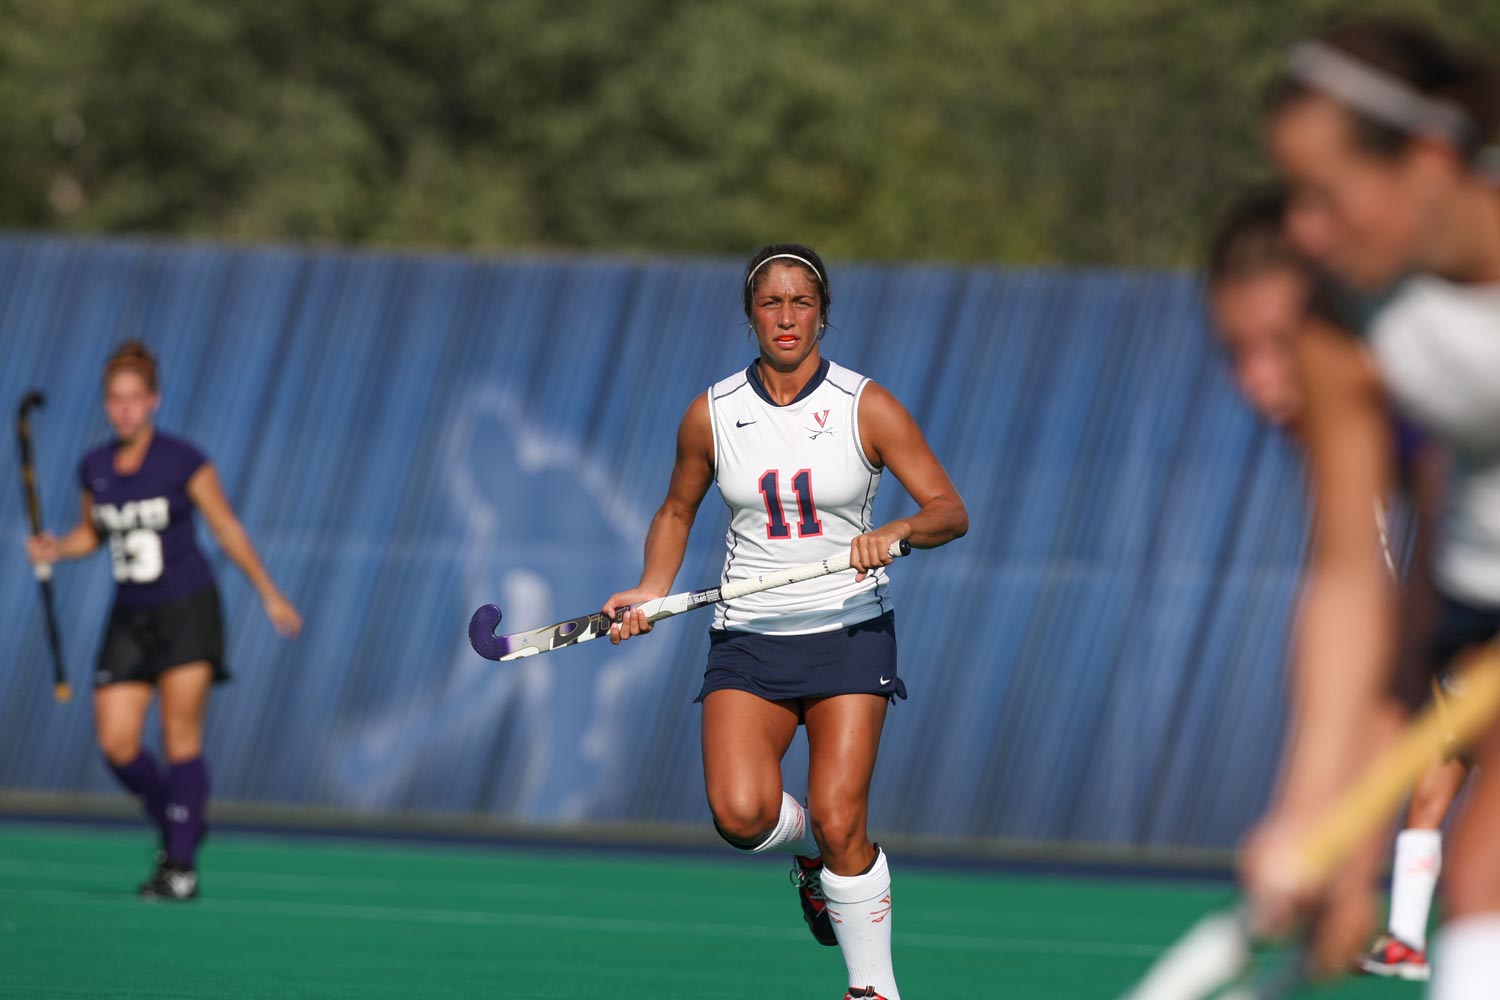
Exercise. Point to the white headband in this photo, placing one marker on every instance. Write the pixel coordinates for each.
(1391, 101)
(1378, 94)
(789, 256)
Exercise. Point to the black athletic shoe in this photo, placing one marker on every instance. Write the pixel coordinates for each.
(868, 993)
(807, 876)
(171, 881)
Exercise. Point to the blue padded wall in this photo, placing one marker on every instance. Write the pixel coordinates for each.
(408, 437)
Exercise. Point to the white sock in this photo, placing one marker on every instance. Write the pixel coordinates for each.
(1414, 876)
(793, 831)
(860, 906)
(1466, 959)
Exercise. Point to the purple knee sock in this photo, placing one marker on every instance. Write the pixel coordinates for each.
(187, 795)
(142, 777)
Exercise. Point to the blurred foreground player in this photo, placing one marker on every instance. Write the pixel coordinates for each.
(1389, 133)
(1260, 288)
(165, 631)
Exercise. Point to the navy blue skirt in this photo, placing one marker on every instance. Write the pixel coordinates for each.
(860, 659)
(1459, 626)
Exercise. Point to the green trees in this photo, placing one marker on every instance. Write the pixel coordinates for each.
(1090, 131)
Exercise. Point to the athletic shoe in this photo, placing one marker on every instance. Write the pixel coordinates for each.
(868, 993)
(1395, 960)
(171, 881)
(807, 877)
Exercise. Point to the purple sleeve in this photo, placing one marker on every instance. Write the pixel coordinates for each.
(189, 460)
(1409, 444)
(87, 470)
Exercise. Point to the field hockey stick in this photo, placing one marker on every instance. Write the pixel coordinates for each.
(43, 571)
(1215, 958)
(575, 630)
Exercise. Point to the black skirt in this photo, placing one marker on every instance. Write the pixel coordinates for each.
(142, 643)
(859, 659)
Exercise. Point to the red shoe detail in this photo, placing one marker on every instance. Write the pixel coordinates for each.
(1393, 958)
(807, 877)
(1423, 866)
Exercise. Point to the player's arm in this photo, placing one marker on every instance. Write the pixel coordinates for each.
(83, 540)
(207, 494)
(666, 541)
(1344, 643)
(893, 440)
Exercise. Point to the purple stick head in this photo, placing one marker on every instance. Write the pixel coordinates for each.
(482, 633)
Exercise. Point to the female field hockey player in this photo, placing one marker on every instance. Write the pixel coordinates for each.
(1260, 288)
(164, 631)
(1388, 133)
(1258, 292)
(797, 446)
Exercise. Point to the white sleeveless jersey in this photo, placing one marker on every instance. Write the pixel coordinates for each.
(799, 488)
(1438, 348)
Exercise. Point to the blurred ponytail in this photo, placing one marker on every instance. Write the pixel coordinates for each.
(133, 356)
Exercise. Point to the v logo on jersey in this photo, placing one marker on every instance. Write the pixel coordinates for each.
(816, 432)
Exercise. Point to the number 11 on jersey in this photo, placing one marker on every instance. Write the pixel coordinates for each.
(808, 524)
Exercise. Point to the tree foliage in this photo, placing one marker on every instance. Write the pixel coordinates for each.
(1088, 131)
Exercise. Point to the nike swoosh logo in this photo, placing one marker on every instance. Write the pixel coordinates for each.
(744, 423)
(885, 680)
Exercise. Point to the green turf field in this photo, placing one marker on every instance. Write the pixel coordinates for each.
(300, 917)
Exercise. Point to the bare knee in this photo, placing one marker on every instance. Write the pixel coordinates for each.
(119, 715)
(119, 736)
(119, 746)
(744, 817)
(184, 695)
(840, 832)
(181, 739)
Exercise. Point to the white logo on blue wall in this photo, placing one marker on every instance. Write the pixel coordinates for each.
(543, 529)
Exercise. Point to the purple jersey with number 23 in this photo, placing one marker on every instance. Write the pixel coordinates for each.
(146, 519)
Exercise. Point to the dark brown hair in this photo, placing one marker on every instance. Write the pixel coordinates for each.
(1250, 237)
(132, 356)
(808, 258)
(1414, 54)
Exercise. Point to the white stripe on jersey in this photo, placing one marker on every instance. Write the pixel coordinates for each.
(799, 489)
(1438, 346)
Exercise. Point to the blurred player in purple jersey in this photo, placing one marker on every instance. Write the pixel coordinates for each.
(1258, 292)
(165, 630)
